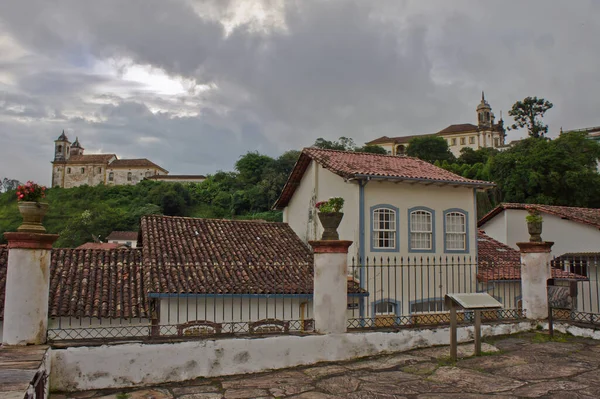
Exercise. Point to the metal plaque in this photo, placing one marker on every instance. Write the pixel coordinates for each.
(478, 300)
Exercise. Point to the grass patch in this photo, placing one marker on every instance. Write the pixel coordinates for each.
(123, 395)
(540, 338)
(446, 361)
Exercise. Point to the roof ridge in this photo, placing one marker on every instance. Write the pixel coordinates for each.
(257, 221)
(365, 153)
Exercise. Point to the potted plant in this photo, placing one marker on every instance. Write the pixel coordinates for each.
(534, 225)
(330, 214)
(32, 210)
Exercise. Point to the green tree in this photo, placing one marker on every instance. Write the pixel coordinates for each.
(373, 149)
(343, 144)
(251, 166)
(430, 149)
(555, 172)
(528, 114)
(471, 157)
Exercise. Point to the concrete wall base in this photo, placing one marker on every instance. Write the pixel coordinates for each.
(566, 328)
(137, 364)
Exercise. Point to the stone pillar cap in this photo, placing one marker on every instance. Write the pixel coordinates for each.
(535, 247)
(330, 246)
(30, 240)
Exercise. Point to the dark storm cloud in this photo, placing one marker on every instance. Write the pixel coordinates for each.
(327, 69)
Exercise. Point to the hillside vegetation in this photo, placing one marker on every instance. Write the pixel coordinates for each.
(85, 213)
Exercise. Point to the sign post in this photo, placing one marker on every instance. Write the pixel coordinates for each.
(476, 302)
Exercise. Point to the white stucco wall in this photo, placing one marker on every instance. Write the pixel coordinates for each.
(137, 175)
(135, 364)
(405, 196)
(224, 310)
(124, 242)
(319, 184)
(568, 236)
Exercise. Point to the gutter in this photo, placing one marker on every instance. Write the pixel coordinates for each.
(253, 296)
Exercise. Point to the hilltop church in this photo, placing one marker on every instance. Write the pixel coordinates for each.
(486, 133)
(71, 168)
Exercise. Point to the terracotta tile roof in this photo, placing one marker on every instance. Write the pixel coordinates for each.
(499, 262)
(360, 165)
(89, 159)
(225, 256)
(459, 128)
(123, 236)
(180, 255)
(91, 283)
(589, 216)
(97, 283)
(99, 245)
(134, 163)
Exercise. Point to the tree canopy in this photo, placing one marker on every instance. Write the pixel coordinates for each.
(346, 144)
(430, 149)
(528, 114)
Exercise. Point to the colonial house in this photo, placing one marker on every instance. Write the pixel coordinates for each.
(499, 272)
(486, 134)
(400, 209)
(571, 229)
(187, 276)
(394, 206)
(71, 168)
(127, 238)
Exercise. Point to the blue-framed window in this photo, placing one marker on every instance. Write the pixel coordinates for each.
(428, 305)
(456, 231)
(421, 227)
(386, 307)
(384, 228)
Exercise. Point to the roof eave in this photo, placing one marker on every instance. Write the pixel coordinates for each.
(480, 185)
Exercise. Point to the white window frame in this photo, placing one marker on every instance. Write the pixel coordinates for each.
(390, 305)
(472, 140)
(392, 231)
(451, 231)
(422, 232)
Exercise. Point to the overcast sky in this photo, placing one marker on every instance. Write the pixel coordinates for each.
(194, 84)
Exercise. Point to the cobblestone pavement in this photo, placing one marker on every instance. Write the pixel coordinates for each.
(522, 366)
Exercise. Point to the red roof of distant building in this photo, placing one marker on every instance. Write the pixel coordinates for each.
(123, 236)
(89, 159)
(134, 163)
(361, 165)
(589, 216)
(499, 262)
(99, 245)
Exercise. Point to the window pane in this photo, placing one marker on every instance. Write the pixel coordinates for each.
(421, 230)
(456, 228)
(385, 308)
(384, 228)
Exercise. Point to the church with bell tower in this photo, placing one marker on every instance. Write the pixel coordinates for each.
(486, 134)
(72, 168)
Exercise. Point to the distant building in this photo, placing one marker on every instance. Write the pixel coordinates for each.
(593, 132)
(178, 178)
(486, 133)
(127, 238)
(71, 168)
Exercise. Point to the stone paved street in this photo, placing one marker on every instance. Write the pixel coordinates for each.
(520, 366)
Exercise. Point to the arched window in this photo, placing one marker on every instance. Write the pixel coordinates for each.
(99, 170)
(111, 176)
(384, 226)
(421, 225)
(455, 231)
(128, 176)
(59, 149)
(401, 150)
(68, 150)
(68, 170)
(82, 170)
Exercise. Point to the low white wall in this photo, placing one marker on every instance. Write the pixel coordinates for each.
(136, 364)
(567, 328)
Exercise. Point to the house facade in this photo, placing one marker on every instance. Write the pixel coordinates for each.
(486, 134)
(72, 168)
(396, 209)
(571, 229)
(127, 238)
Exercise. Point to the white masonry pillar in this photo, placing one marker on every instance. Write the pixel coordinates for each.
(27, 287)
(535, 272)
(330, 295)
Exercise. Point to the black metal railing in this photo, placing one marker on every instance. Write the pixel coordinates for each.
(410, 291)
(577, 274)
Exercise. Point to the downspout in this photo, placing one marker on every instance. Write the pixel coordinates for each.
(476, 246)
(361, 240)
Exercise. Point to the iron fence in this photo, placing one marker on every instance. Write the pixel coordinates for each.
(578, 281)
(405, 292)
(195, 315)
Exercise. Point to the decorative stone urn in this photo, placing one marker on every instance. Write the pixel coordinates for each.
(330, 223)
(33, 214)
(535, 231)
